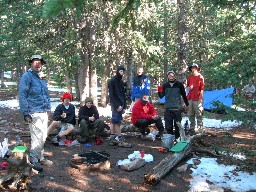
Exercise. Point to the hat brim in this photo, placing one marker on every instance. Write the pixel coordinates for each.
(31, 60)
(190, 68)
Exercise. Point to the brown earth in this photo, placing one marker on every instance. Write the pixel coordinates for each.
(62, 177)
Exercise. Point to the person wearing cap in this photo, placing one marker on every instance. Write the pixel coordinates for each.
(195, 86)
(117, 102)
(90, 123)
(34, 102)
(144, 114)
(173, 90)
(140, 85)
(64, 117)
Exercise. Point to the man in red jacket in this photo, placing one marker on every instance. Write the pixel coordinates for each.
(195, 85)
(144, 114)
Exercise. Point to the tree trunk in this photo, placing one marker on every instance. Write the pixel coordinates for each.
(181, 52)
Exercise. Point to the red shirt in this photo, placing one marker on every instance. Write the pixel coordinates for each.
(140, 111)
(197, 81)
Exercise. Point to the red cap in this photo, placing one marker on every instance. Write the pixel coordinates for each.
(66, 95)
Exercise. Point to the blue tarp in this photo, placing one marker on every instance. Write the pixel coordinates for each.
(224, 96)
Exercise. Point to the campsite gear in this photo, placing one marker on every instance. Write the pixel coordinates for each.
(179, 146)
(167, 140)
(186, 127)
(87, 145)
(98, 141)
(162, 150)
(18, 140)
(21, 148)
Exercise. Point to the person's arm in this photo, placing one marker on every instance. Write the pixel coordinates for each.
(57, 113)
(183, 94)
(96, 113)
(147, 86)
(201, 96)
(24, 87)
(82, 114)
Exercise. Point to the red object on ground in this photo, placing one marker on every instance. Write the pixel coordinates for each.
(162, 150)
(98, 141)
(142, 153)
(4, 165)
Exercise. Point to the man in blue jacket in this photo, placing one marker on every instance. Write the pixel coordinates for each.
(140, 86)
(34, 103)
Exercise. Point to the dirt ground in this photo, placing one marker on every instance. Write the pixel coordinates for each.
(62, 177)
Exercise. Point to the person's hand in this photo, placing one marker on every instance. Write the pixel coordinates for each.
(63, 115)
(155, 117)
(120, 108)
(28, 118)
(92, 118)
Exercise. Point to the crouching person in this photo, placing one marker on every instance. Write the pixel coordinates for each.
(64, 118)
(90, 123)
(144, 114)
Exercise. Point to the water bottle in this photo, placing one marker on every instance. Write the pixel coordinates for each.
(18, 140)
(186, 127)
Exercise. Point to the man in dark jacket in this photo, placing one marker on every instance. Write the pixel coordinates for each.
(117, 102)
(90, 123)
(173, 90)
(64, 118)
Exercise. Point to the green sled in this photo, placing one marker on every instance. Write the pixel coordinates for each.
(179, 146)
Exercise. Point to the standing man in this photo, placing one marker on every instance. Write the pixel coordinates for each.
(140, 86)
(34, 103)
(195, 85)
(173, 90)
(117, 102)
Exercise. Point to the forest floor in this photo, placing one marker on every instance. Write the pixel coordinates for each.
(62, 177)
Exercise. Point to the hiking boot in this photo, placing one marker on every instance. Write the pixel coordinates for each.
(37, 166)
(143, 137)
(119, 138)
(56, 140)
(46, 162)
(111, 136)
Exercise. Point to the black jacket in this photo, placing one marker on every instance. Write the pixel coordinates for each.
(173, 95)
(71, 114)
(116, 92)
(85, 113)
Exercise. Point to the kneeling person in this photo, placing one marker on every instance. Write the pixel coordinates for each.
(144, 114)
(89, 121)
(64, 118)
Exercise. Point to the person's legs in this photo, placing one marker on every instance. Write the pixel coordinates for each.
(142, 124)
(191, 114)
(84, 130)
(177, 118)
(98, 127)
(69, 128)
(116, 123)
(38, 131)
(160, 126)
(168, 118)
(53, 125)
(199, 116)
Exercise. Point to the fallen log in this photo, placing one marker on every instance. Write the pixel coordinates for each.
(168, 163)
(18, 171)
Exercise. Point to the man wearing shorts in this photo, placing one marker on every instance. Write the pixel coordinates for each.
(117, 102)
(64, 118)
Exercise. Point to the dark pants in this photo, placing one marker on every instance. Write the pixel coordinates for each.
(170, 118)
(142, 124)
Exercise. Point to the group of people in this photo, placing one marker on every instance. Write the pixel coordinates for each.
(35, 105)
